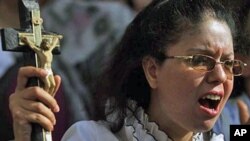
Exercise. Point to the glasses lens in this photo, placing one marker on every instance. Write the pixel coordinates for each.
(229, 66)
(203, 63)
(237, 67)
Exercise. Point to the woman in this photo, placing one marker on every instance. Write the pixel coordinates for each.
(169, 79)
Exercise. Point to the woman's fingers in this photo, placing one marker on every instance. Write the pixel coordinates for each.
(25, 111)
(35, 94)
(40, 108)
(21, 123)
(38, 94)
(24, 117)
(25, 73)
(40, 119)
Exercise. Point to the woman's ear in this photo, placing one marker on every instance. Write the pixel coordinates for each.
(150, 68)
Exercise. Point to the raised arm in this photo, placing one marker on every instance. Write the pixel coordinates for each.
(30, 44)
(32, 104)
(55, 40)
(244, 112)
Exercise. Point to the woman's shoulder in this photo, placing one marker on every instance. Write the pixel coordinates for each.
(89, 131)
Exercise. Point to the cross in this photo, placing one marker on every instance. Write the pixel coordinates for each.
(31, 34)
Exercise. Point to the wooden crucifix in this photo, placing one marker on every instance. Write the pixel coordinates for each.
(37, 46)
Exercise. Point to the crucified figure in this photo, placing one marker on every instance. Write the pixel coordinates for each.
(45, 56)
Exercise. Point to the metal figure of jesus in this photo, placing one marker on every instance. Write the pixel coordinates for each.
(45, 57)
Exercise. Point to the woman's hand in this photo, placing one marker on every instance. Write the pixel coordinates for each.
(244, 112)
(32, 104)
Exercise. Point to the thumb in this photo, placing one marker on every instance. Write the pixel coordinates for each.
(243, 112)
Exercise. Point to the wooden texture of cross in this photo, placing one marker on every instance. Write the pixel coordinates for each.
(31, 29)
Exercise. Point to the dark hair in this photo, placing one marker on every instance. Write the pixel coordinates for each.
(160, 24)
(239, 87)
(242, 42)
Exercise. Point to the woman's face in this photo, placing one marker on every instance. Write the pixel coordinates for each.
(182, 98)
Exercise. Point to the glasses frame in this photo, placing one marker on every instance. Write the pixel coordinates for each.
(190, 57)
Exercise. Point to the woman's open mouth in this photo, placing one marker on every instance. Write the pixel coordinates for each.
(210, 103)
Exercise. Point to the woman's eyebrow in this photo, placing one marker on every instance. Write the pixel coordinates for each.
(204, 50)
(207, 51)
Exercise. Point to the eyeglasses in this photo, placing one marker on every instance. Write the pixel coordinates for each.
(207, 63)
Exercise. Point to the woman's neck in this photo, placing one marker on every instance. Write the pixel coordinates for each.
(186, 137)
(171, 127)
